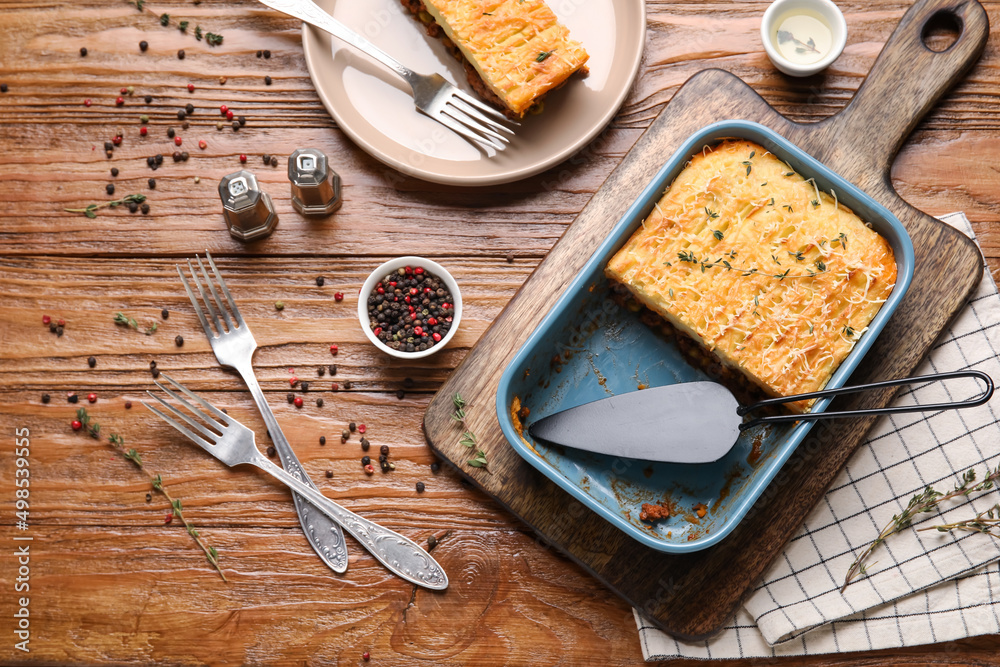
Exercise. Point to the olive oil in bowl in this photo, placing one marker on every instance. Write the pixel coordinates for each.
(803, 38)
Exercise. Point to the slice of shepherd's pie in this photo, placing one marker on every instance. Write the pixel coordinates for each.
(773, 278)
(514, 51)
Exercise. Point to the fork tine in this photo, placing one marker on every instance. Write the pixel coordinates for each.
(468, 99)
(212, 437)
(225, 289)
(194, 302)
(461, 116)
(215, 295)
(457, 127)
(208, 406)
(198, 440)
(475, 113)
(204, 297)
(183, 401)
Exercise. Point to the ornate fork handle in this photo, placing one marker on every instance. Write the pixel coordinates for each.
(307, 11)
(400, 554)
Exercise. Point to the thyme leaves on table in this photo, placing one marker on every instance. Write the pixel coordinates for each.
(930, 500)
(131, 322)
(211, 38)
(468, 438)
(118, 444)
(91, 210)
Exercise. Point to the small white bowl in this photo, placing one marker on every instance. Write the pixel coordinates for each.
(830, 13)
(391, 266)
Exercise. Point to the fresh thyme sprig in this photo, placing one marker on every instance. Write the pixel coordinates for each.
(930, 500)
(800, 46)
(118, 443)
(468, 439)
(211, 38)
(131, 322)
(91, 210)
(690, 258)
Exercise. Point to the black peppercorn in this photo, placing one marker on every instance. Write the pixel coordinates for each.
(345, 434)
(132, 207)
(152, 365)
(189, 108)
(114, 171)
(347, 385)
(3, 87)
(274, 161)
(365, 444)
(305, 386)
(148, 99)
(260, 53)
(431, 542)
(151, 183)
(180, 54)
(181, 114)
(179, 340)
(46, 398)
(144, 208)
(159, 158)
(510, 258)
(185, 125)
(83, 51)
(408, 382)
(184, 156)
(156, 372)
(236, 126)
(333, 369)
(322, 439)
(384, 450)
(171, 132)
(72, 398)
(110, 187)
(267, 158)
(91, 361)
(143, 45)
(271, 451)
(320, 280)
(435, 467)
(290, 397)
(329, 474)
(267, 81)
(321, 371)
(108, 146)
(242, 120)
(164, 313)
(353, 427)
(365, 460)
(400, 394)
(319, 402)
(177, 156)
(420, 487)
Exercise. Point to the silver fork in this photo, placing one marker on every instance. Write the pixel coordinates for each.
(433, 96)
(234, 346)
(234, 444)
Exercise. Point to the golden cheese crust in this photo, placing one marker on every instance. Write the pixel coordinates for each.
(519, 48)
(771, 275)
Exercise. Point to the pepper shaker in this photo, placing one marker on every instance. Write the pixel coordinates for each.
(315, 187)
(248, 210)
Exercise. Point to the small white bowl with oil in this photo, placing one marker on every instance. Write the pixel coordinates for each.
(803, 37)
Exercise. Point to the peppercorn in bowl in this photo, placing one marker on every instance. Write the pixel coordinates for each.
(410, 307)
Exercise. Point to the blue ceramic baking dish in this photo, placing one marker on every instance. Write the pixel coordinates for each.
(587, 347)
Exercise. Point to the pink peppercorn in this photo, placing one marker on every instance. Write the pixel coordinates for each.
(334, 349)
(362, 428)
(190, 87)
(178, 141)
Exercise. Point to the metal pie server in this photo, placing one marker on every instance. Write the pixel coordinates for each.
(699, 422)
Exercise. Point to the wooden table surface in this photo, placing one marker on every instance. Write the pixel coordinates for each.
(110, 581)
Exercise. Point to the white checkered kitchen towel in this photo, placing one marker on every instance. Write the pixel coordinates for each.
(923, 587)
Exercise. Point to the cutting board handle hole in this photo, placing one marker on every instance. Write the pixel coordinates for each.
(941, 31)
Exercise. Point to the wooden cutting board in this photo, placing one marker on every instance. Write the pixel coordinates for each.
(691, 596)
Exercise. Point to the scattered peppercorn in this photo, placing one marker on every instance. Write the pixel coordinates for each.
(338, 296)
(189, 108)
(46, 398)
(510, 257)
(333, 369)
(76, 425)
(369, 469)
(236, 126)
(334, 349)
(110, 187)
(149, 497)
(114, 171)
(322, 439)
(267, 81)
(243, 158)
(181, 114)
(169, 518)
(242, 120)
(152, 365)
(159, 158)
(185, 155)
(143, 131)
(229, 114)
(320, 281)
(362, 428)
(72, 398)
(384, 450)
(400, 394)
(366, 656)
(260, 53)
(165, 314)
(180, 54)
(335, 387)
(222, 80)
(144, 208)
(151, 183)
(298, 401)
(329, 474)
(348, 385)
(353, 427)
(108, 146)
(83, 51)
(179, 340)
(267, 158)
(319, 402)
(279, 305)
(119, 101)
(271, 451)
(202, 144)
(345, 434)
(190, 87)
(408, 383)
(91, 361)
(148, 99)
(365, 444)
(156, 372)
(365, 460)
(420, 487)
(435, 467)
(178, 141)
(305, 386)
(128, 405)
(86, 102)
(3, 87)
(431, 542)
(321, 371)
(143, 45)
(171, 132)
(267, 54)
(274, 161)
(132, 207)
(92, 398)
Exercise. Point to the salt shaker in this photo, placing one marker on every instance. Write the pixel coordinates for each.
(248, 210)
(315, 187)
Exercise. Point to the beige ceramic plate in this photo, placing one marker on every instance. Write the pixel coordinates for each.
(375, 108)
